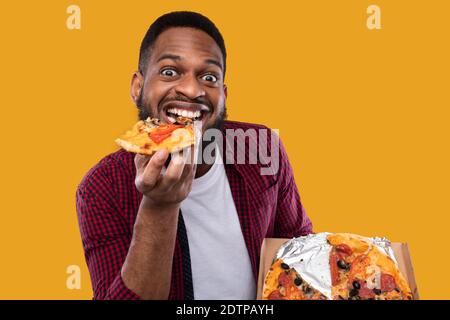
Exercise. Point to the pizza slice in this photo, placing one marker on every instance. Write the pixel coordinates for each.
(149, 136)
(360, 271)
(284, 283)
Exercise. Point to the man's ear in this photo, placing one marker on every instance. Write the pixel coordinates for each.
(225, 90)
(137, 82)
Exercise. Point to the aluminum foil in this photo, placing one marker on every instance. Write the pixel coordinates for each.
(384, 245)
(310, 257)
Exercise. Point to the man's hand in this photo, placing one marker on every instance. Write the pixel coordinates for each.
(169, 188)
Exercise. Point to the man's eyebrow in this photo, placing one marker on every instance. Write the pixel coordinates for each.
(215, 62)
(177, 58)
(169, 56)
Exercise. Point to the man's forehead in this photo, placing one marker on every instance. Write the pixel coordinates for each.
(183, 41)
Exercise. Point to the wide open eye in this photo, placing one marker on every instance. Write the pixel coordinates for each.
(209, 77)
(168, 72)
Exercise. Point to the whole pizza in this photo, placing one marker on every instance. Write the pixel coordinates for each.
(338, 266)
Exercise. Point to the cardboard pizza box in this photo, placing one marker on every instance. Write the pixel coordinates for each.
(401, 251)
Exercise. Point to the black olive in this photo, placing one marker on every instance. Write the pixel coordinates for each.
(356, 285)
(353, 293)
(298, 281)
(307, 290)
(376, 291)
(341, 264)
(397, 289)
(284, 266)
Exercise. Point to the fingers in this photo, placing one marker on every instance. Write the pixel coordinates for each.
(190, 154)
(188, 173)
(152, 174)
(195, 155)
(153, 168)
(140, 161)
(174, 171)
(186, 183)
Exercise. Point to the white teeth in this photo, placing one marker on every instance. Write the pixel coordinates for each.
(184, 113)
(172, 119)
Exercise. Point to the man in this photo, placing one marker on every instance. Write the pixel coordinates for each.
(155, 228)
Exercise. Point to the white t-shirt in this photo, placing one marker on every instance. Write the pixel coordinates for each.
(220, 263)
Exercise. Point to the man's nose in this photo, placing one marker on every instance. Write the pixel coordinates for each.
(190, 87)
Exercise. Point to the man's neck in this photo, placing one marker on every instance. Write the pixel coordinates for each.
(202, 169)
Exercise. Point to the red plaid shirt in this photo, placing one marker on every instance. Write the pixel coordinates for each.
(108, 201)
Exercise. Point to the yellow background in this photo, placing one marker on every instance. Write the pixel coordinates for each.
(363, 114)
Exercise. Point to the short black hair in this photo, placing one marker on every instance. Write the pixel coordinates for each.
(179, 19)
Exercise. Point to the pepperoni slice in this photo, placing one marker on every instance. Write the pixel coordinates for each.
(163, 132)
(285, 280)
(364, 292)
(275, 295)
(334, 268)
(344, 249)
(387, 282)
(158, 138)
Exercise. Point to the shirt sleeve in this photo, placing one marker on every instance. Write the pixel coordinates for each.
(105, 236)
(291, 219)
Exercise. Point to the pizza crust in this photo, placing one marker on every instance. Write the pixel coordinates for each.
(271, 281)
(358, 243)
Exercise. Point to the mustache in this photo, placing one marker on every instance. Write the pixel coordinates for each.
(182, 98)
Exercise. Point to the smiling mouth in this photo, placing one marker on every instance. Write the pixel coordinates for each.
(195, 112)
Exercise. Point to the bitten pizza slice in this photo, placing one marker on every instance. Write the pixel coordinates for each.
(149, 136)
